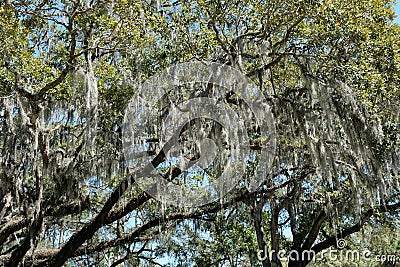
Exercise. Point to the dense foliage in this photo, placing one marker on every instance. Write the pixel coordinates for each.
(329, 70)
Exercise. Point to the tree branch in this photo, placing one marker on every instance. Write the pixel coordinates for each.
(314, 231)
(331, 241)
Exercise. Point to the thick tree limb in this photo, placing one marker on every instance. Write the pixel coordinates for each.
(258, 226)
(331, 241)
(314, 231)
(12, 226)
(19, 253)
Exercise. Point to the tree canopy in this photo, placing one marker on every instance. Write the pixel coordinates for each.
(328, 70)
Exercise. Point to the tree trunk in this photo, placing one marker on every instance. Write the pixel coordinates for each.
(262, 244)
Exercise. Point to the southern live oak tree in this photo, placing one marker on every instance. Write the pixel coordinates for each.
(329, 69)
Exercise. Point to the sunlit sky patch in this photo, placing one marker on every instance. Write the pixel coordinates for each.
(397, 10)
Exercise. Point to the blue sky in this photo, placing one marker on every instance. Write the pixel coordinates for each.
(397, 10)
